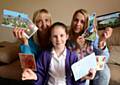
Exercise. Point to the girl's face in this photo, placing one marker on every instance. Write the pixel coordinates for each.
(44, 22)
(58, 37)
(78, 23)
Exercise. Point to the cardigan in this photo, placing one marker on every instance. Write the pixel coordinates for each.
(43, 64)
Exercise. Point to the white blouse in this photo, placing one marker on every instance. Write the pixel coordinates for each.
(57, 69)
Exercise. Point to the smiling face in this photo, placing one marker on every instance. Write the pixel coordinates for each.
(44, 22)
(78, 22)
(42, 19)
(59, 37)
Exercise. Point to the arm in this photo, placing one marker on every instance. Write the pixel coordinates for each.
(31, 48)
(99, 51)
(27, 46)
(39, 76)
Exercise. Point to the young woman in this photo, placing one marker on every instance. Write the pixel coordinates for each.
(84, 47)
(54, 65)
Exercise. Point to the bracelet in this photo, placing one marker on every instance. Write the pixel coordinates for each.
(104, 47)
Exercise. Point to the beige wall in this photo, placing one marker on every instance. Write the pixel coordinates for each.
(61, 10)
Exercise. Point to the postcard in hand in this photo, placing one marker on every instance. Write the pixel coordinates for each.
(27, 61)
(83, 66)
(89, 33)
(12, 19)
(100, 62)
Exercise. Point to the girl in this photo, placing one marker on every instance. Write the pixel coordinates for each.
(54, 65)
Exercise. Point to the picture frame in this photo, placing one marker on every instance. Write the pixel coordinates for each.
(108, 20)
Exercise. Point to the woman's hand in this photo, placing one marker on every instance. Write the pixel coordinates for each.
(105, 35)
(19, 34)
(28, 74)
(80, 41)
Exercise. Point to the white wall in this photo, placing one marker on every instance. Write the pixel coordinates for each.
(61, 10)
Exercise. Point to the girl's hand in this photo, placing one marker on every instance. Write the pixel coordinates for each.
(28, 74)
(19, 34)
(90, 75)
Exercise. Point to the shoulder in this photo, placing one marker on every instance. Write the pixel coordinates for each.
(72, 54)
(44, 57)
(44, 53)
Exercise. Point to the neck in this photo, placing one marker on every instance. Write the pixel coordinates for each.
(59, 51)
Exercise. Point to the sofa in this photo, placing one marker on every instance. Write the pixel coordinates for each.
(114, 61)
(10, 65)
(9, 61)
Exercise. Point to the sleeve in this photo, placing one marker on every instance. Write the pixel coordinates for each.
(99, 51)
(25, 49)
(31, 48)
(41, 72)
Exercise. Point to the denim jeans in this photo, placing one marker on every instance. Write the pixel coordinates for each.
(102, 77)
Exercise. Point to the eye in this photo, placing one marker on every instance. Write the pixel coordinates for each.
(38, 21)
(61, 35)
(54, 36)
(76, 20)
(46, 20)
(82, 21)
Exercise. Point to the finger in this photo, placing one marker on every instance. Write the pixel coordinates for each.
(15, 30)
(20, 33)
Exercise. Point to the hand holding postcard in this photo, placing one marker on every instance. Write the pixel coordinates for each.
(27, 61)
(83, 66)
(12, 19)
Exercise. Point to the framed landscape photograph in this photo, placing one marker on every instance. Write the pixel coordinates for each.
(108, 20)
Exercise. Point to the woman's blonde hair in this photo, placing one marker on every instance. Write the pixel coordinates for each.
(36, 15)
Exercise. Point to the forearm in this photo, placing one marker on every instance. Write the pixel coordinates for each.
(25, 49)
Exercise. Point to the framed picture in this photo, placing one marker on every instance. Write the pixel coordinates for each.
(108, 20)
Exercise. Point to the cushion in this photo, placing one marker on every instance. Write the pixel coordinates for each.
(115, 76)
(115, 55)
(8, 52)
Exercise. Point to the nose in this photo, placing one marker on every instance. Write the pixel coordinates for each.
(58, 38)
(44, 25)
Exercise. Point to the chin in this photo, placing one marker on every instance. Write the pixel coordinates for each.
(77, 32)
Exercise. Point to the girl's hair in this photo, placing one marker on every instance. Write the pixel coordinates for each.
(85, 14)
(58, 24)
(38, 13)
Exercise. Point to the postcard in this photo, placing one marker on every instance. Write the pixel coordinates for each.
(12, 19)
(83, 66)
(100, 62)
(89, 33)
(27, 61)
